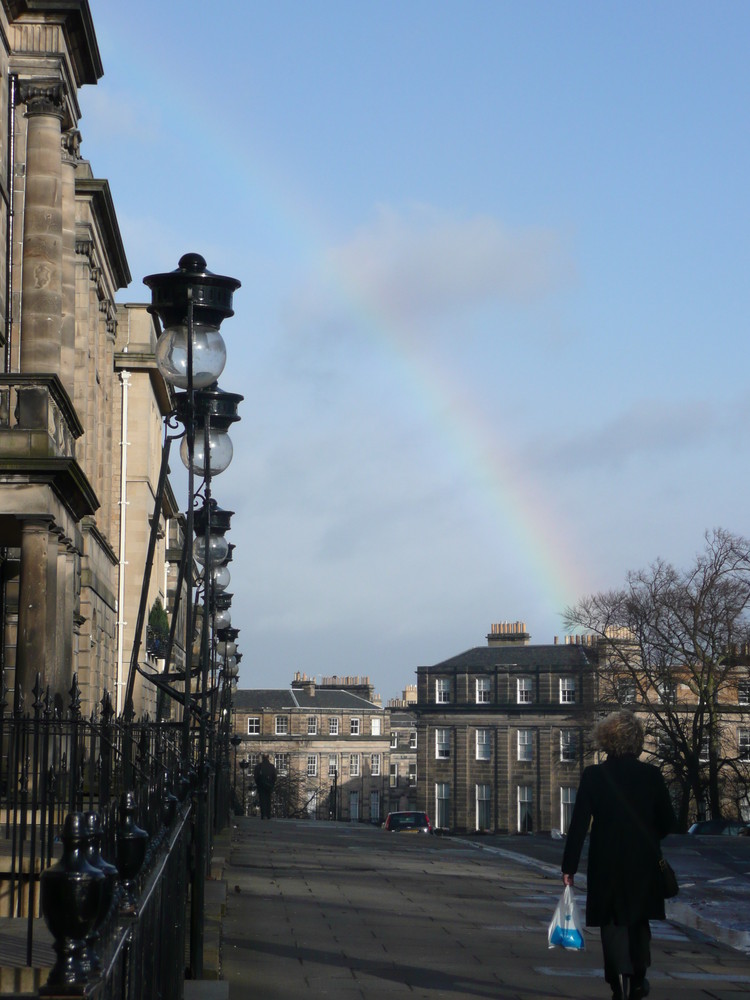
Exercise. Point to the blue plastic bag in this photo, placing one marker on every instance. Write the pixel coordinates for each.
(566, 926)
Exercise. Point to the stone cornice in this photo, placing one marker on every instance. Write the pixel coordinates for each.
(78, 26)
(63, 475)
(141, 361)
(89, 526)
(103, 209)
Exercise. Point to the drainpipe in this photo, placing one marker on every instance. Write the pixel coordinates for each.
(11, 194)
(124, 445)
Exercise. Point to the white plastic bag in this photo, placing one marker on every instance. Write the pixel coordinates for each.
(566, 926)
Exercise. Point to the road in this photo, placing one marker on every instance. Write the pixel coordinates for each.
(349, 912)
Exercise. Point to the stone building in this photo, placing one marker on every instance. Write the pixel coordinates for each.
(402, 769)
(696, 718)
(501, 733)
(65, 592)
(402, 763)
(142, 399)
(329, 742)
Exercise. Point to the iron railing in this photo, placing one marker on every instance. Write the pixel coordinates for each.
(54, 766)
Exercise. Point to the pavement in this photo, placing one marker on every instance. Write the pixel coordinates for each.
(344, 911)
(713, 874)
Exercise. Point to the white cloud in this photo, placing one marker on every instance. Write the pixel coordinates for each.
(646, 428)
(422, 264)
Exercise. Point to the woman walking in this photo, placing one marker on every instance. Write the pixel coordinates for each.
(629, 809)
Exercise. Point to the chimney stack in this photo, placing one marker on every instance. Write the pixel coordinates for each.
(508, 634)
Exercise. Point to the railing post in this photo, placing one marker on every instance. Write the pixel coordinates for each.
(132, 842)
(198, 888)
(71, 893)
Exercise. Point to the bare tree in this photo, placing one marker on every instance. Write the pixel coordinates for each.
(673, 645)
(288, 794)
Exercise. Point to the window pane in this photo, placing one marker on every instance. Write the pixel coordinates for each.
(567, 690)
(483, 690)
(281, 762)
(442, 805)
(483, 744)
(567, 801)
(525, 747)
(525, 824)
(568, 744)
(484, 818)
(524, 690)
(626, 691)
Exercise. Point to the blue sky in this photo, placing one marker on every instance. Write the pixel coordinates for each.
(494, 301)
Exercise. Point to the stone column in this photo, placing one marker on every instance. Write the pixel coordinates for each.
(65, 609)
(37, 606)
(71, 142)
(42, 306)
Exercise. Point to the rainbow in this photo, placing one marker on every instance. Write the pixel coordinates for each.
(517, 513)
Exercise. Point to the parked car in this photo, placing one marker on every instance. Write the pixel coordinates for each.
(726, 827)
(407, 822)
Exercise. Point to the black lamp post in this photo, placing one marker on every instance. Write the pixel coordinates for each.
(191, 304)
(235, 741)
(244, 765)
(211, 549)
(215, 412)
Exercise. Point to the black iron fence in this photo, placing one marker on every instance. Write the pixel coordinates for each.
(106, 830)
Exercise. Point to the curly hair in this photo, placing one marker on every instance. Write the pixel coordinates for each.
(618, 734)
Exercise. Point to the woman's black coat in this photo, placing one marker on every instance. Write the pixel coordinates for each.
(631, 812)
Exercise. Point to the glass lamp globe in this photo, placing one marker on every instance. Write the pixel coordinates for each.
(220, 452)
(230, 667)
(209, 355)
(218, 550)
(221, 578)
(222, 619)
(228, 649)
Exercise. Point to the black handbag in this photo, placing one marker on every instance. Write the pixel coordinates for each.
(668, 879)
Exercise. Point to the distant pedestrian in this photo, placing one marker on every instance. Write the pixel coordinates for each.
(631, 811)
(265, 779)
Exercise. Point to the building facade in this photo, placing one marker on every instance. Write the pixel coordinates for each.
(502, 733)
(696, 719)
(328, 741)
(402, 760)
(74, 457)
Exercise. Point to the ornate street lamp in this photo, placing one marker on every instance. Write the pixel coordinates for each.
(215, 412)
(211, 523)
(191, 303)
